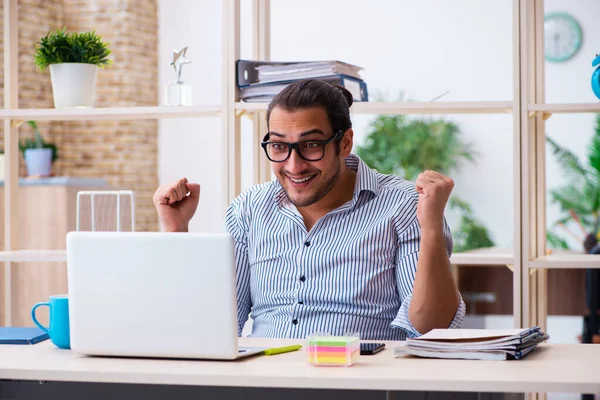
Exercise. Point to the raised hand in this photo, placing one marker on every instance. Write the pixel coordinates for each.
(434, 190)
(176, 204)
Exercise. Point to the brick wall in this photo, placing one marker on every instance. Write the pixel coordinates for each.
(123, 152)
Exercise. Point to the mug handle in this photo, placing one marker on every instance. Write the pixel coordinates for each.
(35, 319)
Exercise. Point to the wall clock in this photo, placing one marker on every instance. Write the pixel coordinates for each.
(562, 36)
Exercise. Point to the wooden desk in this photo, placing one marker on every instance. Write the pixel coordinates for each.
(551, 368)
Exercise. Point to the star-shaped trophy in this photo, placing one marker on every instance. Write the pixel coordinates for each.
(179, 93)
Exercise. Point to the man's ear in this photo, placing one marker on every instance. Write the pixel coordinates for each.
(347, 142)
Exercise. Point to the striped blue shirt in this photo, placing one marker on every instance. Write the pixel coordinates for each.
(354, 271)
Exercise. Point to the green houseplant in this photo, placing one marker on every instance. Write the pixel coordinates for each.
(406, 147)
(73, 60)
(578, 200)
(39, 155)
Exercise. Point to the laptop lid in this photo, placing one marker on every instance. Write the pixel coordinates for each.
(152, 294)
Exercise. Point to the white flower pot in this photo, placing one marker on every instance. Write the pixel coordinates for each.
(38, 161)
(73, 84)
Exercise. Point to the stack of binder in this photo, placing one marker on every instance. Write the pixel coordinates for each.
(474, 344)
(260, 81)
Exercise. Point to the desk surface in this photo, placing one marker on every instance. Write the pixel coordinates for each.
(550, 368)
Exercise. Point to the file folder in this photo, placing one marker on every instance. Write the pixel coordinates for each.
(475, 344)
(13, 335)
(266, 91)
(249, 72)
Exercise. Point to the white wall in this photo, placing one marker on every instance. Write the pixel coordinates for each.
(192, 147)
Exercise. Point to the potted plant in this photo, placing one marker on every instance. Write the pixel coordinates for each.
(579, 199)
(73, 59)
(39, 154)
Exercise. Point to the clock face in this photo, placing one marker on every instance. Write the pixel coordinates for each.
(562, 37)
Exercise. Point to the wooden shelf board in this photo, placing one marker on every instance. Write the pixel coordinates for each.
(566, 107)
(566, 261)
(482, 259)
(33, 256)
(473, 107)
(109, 113)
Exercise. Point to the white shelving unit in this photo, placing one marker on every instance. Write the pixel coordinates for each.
(528, 259)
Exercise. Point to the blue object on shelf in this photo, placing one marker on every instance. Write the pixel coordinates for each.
(13, 335)
(596, 76)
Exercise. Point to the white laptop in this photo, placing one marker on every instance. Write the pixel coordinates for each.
(153, 294)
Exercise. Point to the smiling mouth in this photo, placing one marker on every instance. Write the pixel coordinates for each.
(302, 180)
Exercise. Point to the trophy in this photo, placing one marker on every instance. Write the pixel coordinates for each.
(179, 93)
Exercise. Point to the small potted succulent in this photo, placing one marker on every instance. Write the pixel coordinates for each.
(74, 60)
(39, 154)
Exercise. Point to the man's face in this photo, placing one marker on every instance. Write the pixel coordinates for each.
(306, 182)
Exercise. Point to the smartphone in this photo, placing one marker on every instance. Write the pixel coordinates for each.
(368, 349)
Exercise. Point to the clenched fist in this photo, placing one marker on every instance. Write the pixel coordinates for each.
(434, 190)
(176, 204)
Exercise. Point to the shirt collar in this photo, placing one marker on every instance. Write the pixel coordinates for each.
(366, 180)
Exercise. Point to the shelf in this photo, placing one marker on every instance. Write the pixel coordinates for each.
(482, 259)
(566, 261)
(471, 107)
(34, 256)
(109, 113)
(566, 108)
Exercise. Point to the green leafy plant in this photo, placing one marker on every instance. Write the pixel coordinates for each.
(471, 233)
(37, 142)
(579, 200)
(406, 147)
(61, 47)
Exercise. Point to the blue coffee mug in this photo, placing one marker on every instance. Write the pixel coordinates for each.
(59, 320)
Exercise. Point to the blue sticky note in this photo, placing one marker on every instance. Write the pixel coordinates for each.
(14, 335)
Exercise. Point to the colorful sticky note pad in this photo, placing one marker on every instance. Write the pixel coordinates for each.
(322, 349)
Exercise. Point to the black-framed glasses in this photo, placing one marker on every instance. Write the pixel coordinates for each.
(309, 150)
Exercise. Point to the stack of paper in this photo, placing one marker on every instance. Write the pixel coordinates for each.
(474, 344)
(265, 92)
(263, 80)
(304, 70)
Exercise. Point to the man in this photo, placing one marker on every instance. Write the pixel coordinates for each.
(332, 245)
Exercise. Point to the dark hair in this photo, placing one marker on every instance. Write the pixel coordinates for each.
(334, 99)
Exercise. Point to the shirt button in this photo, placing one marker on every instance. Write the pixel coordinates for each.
(300, 302)
(307, 243)
(302, 278)
(295, 322)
